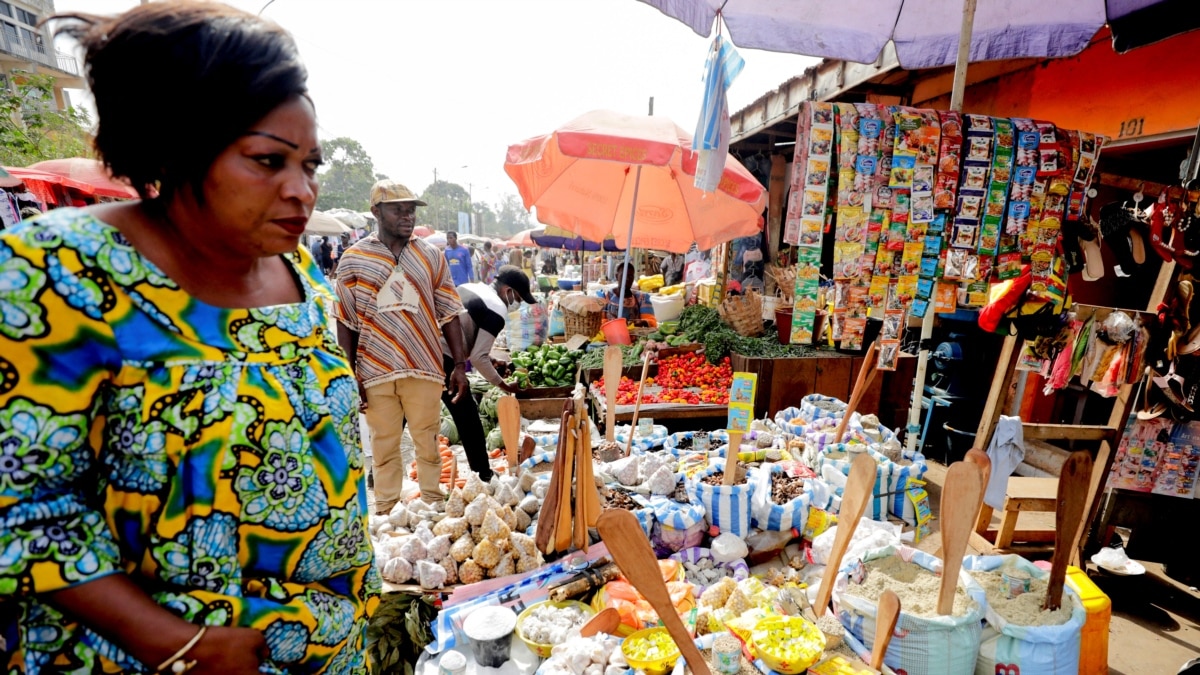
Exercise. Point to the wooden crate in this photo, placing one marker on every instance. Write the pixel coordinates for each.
(783, 382)
(542, 408)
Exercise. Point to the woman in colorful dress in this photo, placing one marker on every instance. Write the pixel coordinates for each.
(181, 484)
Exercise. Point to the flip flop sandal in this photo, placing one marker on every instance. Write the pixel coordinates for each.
(1089, 245)
(1147, 412)
(1172, 387)
(1137, 245)
(1116, 223)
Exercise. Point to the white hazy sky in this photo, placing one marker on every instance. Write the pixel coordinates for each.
(450, 84)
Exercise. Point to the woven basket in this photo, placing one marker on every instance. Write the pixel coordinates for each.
(581, 324)
(743, 313)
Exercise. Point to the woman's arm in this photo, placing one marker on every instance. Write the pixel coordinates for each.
(120, 611)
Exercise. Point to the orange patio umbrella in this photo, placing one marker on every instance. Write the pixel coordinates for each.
(630, 177)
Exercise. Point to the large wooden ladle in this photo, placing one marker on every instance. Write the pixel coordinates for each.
(885, 624)
(629, 548)
(612, 380)
(960, 498)
(1073, 483)
(856, 494)
(866, 373)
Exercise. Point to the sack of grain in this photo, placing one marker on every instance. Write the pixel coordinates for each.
(792, 421)
(1015, 644)
(933, 644)
(768, 515)
(840, 455)
(702, 557)
(725, 506)
(676, 526)
(815, 407)
(658, 436)
(899, 504)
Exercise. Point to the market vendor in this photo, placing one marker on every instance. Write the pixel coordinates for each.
(485, 308)
(637, 304)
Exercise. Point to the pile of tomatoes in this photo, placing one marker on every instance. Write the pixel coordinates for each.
(693, 370)
(686, 379)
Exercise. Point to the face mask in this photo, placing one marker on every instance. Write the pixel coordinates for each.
(514, 304)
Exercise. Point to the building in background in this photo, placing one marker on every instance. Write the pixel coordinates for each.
(24, 47)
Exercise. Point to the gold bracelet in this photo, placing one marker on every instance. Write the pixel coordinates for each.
(176, 663)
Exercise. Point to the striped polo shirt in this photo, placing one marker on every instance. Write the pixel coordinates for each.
(396, 343)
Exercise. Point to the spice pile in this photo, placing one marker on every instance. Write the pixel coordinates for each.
(916, 587)
(1026, 608)
(717, 478)
(616, 498)
(785, 488)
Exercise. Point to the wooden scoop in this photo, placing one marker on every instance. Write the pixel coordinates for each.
(637, 405)
(605, 622)
(1073, 483)
(960, 495)
(631, 551)
(866, 373)
(612, 379)
(731, 457)
(562, 528)
(856, 494)
(885, 624)
(508, 410)
(544, 536)
(980, 459)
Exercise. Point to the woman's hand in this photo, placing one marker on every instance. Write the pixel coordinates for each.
(234, 651)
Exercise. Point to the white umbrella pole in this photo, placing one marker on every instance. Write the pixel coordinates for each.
(637, 180)
(956, 103)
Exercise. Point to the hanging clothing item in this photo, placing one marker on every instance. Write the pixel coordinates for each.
(1007, 451)
(1060, 372)
(712, 129)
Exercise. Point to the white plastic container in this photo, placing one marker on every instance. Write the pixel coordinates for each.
(667, 307)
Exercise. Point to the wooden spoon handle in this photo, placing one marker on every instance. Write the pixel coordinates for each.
(637, 405)
(631, 551)
(860, 384)
(960, 494)
(885, 624)
(856, 494)
(1073, 483)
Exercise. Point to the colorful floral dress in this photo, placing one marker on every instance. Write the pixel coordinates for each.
(212, 454)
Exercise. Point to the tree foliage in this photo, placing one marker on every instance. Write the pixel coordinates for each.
(348, 176)
(445, 200)
(511, 216)
(32, 129)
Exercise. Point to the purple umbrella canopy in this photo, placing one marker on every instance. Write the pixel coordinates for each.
(925, 32)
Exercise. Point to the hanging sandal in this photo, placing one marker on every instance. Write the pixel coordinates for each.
(1146, 412)
(1172, 387)
(1089, 245)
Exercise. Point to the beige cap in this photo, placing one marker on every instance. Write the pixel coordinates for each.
(391, 191)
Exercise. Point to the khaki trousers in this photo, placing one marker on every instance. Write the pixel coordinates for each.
(388, 406)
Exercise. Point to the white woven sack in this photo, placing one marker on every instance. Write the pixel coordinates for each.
(940, 645)
(726, 507)
(1009, 648)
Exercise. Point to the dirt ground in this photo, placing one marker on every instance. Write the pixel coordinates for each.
(1155, 625)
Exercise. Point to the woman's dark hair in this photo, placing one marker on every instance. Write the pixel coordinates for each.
(177, 82)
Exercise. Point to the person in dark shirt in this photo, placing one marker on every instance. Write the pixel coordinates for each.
(485, 310)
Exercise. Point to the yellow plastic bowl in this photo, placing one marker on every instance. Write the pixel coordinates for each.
(543, 650)
(659, 666)
(806, 643)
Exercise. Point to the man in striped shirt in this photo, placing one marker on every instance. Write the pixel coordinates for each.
(396, 300)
